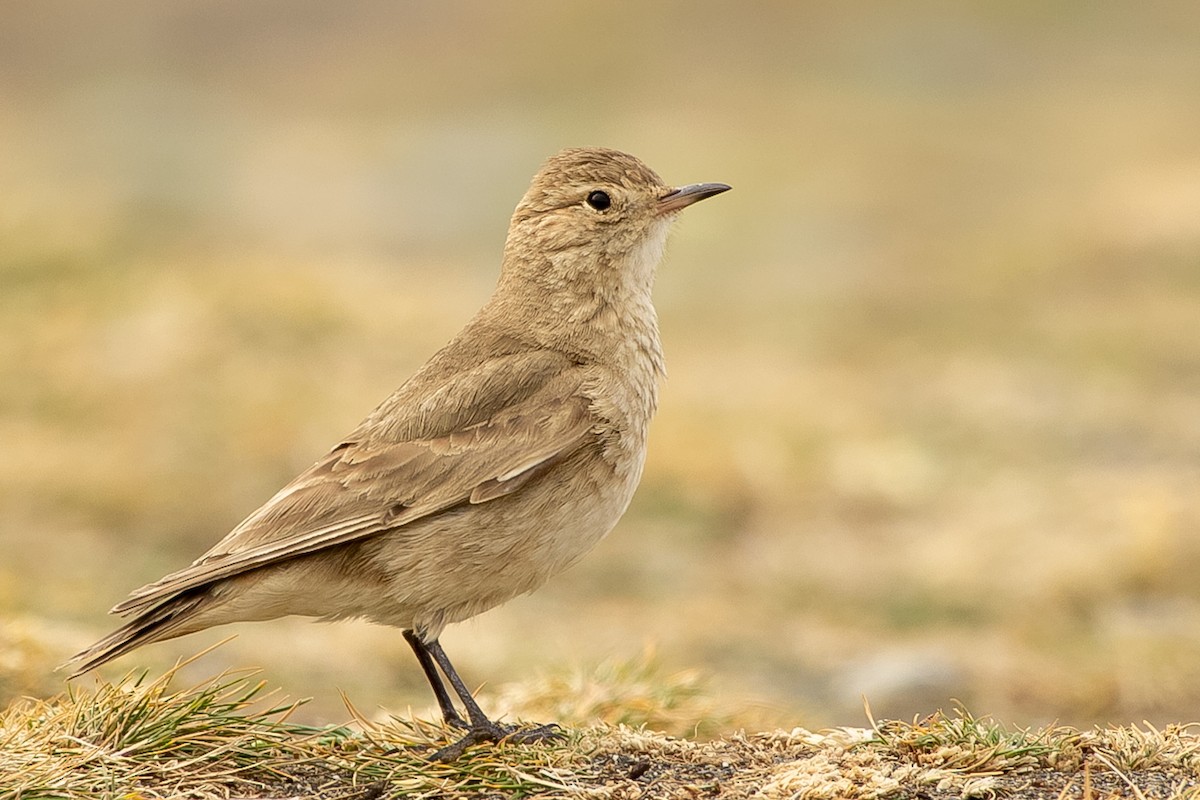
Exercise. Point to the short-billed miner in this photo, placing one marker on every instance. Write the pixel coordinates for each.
(504, 459)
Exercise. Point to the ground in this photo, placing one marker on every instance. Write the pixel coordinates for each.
(142, 738)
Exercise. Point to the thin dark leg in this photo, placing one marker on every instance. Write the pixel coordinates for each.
(449, 713)
(482, 729)
(474, 712)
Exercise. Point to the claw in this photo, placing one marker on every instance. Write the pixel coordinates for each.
(540, 733)
(495, 732)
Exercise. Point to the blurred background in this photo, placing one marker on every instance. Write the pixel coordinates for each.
(932, 425)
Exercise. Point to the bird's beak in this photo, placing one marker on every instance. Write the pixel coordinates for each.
(684, 196)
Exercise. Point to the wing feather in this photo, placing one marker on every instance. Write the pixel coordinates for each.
(366, 487)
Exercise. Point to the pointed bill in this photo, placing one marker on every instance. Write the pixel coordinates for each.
(684, 196)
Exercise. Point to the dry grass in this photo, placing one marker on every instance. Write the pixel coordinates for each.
(227, 737)
(637, 692)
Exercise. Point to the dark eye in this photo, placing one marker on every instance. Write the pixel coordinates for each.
(599, 200)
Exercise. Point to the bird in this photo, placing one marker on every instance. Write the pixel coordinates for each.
(498, 464)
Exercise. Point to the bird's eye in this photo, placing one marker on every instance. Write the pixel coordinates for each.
(599, 200)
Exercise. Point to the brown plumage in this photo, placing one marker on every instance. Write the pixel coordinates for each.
(499, 463)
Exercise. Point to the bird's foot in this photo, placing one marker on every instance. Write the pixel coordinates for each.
(496, 732)
(457, 722)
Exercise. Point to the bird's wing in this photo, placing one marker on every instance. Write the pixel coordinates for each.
(362, 488)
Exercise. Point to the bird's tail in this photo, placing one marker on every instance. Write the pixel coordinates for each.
(164, 621)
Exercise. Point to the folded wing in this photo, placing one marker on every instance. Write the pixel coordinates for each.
(364, 487)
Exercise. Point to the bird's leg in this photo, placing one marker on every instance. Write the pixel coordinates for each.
(481, 728)
(450, 714)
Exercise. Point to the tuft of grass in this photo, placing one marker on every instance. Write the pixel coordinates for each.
(962, 742)
(636, 692)
(980, 756)
(1132, 748)
(139, 733)
(965, 743)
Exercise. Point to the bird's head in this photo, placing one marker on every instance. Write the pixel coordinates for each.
(596, 216)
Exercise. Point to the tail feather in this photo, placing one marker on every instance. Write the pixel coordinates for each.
(164, 621)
